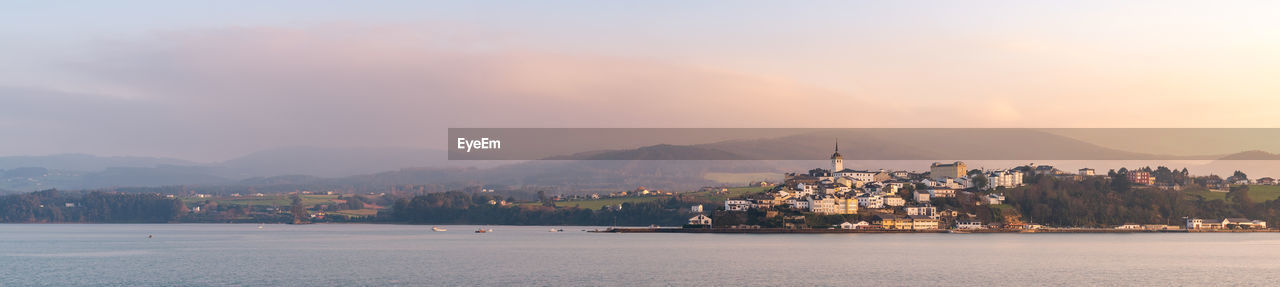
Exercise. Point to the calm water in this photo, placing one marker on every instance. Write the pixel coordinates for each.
(378, 255)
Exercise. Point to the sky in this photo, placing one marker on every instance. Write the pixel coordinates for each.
(211, 81)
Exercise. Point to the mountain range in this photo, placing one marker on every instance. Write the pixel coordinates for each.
(658, 166)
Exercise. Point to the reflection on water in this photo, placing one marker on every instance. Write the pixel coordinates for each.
(325, 255)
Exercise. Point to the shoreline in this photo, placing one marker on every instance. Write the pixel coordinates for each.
(900, 231)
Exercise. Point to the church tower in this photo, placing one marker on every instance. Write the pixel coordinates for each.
(837, 160)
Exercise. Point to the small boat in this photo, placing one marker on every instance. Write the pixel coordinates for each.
(556, 230)
(437, 229)
(259, 226)
(482, 230)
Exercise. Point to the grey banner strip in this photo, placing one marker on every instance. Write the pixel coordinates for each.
(863, 144)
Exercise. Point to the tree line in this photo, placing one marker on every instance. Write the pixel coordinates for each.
(1113, 200)
(457, 207)
(54, 206)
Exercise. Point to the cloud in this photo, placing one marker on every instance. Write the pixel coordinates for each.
(212, 94)
(216, 93)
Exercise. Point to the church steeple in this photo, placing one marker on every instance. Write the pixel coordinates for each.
(837, 160)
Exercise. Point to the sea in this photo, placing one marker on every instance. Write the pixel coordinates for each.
(414, 255)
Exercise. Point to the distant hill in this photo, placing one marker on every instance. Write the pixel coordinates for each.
(663, 166)
(134, 176)
(1251, 155)
(329, 162)
(883, 144)
(656, 152)
(78, 171)
(84, 162)
(926, 144)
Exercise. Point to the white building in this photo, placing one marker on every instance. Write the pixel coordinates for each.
(1129, 226)
(1003, 178)
(1197, 223)
(801, 204)
(925, 210)
(970, 224)
(854, 225)
(700, 220)
(737, 205)
(871, 201)
(833, 205)
(857, 175)
(994, 198)
(696, 208)
(922, 222)
(822, 205)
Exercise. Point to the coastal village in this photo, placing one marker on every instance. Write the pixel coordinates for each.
(900, 201)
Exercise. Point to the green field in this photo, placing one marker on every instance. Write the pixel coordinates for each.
(704, 195)
(269, 200)
(733, 193)
(597, 203)
(357, 212)
(1259, 193)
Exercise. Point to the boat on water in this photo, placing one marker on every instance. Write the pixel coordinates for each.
(260, 226)
(438, 229)
(482, 230)
(556, 230)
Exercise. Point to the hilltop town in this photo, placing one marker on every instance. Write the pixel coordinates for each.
(948, 196)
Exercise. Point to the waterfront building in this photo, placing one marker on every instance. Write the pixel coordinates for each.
(854, 225)
(700, 220)
(969, 224)
(1198, 223)
(1129, 226)
(920, 222)
(889, 221)
(1244, 223)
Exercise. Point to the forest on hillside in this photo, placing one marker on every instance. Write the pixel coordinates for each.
(54, 206)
